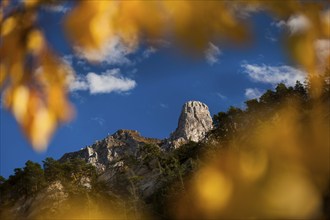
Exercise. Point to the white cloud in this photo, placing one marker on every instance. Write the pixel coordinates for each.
(57, 8)
(78, 83)
(269, 36)
(279, 24)
(296, 24)
(154, 46)
(110, 81)
(114, 52)
(300, 23)
(68, 59)
(159, 43)
(274, 74)
(212, 54)
(148, 52)
(252, 93)
(78, 97)
(221, 96)
(98, 120)
(246, 11)
(107, 82)
(163, 105)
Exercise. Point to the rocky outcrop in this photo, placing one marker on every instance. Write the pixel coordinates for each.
(123, 151)
(195, 121)
(49, 200)
(129, 165)
(108, 151)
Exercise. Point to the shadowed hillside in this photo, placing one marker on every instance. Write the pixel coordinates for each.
(269, 153)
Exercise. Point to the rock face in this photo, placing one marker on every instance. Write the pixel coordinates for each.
(114, 154)
(107, 151)
(48, 200)
(195, 121)
(132, 166)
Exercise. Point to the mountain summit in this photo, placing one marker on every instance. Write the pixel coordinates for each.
(123, 171)
(195, 121)
(112, 154)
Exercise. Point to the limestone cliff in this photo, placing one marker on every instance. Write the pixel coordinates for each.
(195, 121)
(129, 167)
(115, 153)
(106, 152)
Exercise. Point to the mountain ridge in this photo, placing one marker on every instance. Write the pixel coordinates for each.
(194, 122)
(154, 181)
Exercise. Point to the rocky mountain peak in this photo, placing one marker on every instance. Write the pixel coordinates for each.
(124, 134)
(194, 122)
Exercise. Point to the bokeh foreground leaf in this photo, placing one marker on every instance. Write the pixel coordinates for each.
(34, 81)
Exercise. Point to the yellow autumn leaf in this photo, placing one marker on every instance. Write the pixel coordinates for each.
(276, 7)
(88, 24)
(291, 195)
(20, 102)
(196, 23)
(8, 26)
(130, 20)
(39, 122)
(302, 49)
(59, 104)
(3, 74)
(16, 70)
(35, 41)
(53, 71)
(31, 3)
(41, 128)
(213, 190)
(253, 166)
(325, 23)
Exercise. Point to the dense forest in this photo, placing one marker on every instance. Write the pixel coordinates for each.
(233, 132)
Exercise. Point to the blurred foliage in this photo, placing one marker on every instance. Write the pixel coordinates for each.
(269, 160)
(34, 80)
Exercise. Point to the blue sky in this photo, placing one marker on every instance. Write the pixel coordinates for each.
(145, 90)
